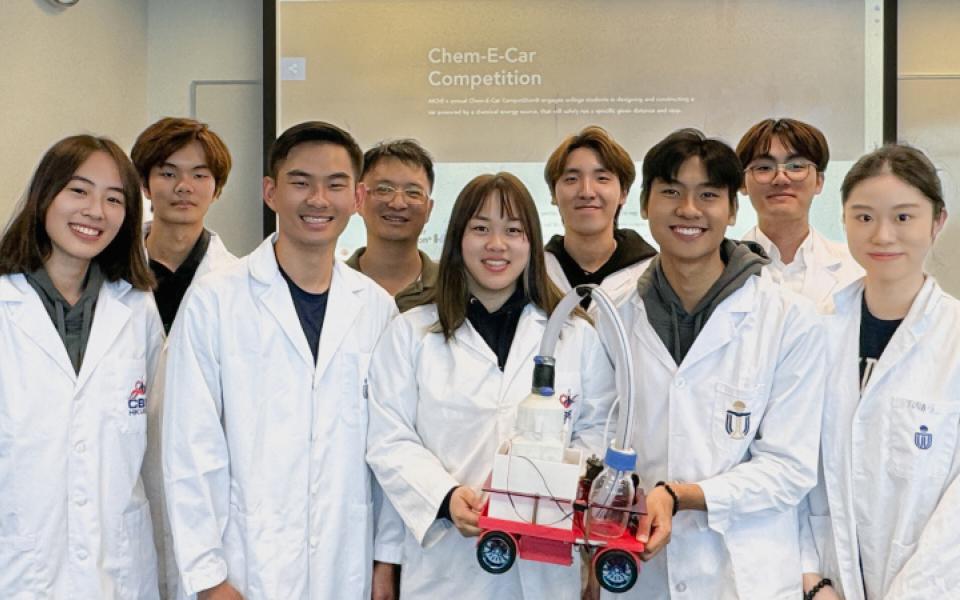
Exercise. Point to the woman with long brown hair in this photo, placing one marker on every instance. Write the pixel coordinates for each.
(445, 383)
(81, 337)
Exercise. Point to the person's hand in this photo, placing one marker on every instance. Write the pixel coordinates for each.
(221, 591)
(826, 592)
(384, 581)
(465, 508)
(655, 526)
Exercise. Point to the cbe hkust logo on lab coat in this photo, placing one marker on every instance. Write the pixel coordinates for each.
(567, 400)
(137, 400)
(738, 421)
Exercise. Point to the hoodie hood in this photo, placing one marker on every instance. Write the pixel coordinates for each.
(677, 328)
(73, 323)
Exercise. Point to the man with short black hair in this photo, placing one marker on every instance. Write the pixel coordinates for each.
(589, 176)
(265, 411)
(399, 179)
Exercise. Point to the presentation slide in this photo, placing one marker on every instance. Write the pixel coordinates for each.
(491, 85)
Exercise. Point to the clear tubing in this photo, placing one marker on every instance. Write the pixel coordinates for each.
(622, 357)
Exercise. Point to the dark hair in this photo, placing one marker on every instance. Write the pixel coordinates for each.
(612, 155)
(904, 162)
(168, 135)
(407, 151)
(668, 155)
(26, 244)
(451, 293)
(314, 132)
(805, 139)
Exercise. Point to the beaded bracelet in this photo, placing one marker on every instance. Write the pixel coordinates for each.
(820, 585)
(673, 494)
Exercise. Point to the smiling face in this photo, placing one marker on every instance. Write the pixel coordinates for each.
(400, 215)
(496, 251)
(782, 199)
(890, 228)
(313, 195)
(689, 216)
(182, 187)
(85, 216)
(587, 194)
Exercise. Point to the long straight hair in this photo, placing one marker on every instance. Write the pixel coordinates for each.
(451, 293)
(26, 245)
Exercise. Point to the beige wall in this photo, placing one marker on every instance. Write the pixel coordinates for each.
(929, 111)
(66, 71)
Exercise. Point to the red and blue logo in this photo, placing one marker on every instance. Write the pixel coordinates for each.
(137, 400)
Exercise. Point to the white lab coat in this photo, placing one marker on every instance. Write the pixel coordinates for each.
(762, 347)
(263, 448)
(438, 412)
(74, 519)
(878, 486)
(828, 265)
(617, 285)
(216, 257)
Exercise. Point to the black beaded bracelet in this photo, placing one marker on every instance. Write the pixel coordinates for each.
(673, 494)
(820, 585)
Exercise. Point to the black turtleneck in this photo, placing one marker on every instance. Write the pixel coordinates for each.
(497, 328)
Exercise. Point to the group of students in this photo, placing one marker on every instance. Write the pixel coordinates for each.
(287, 425)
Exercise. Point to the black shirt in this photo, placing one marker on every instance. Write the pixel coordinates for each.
(498, 328)
(311, 310)
(172, 285)
(631, 249)
(875, 334)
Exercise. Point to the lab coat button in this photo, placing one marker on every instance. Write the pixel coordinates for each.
(681, 587)
(80, 447)
(79, 499)
(313, 542)
(81, 554)
(681, 382)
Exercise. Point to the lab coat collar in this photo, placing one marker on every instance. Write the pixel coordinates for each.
(717, 332)
(33, 319)
(470, 338)
(342, 304)
(109, 319)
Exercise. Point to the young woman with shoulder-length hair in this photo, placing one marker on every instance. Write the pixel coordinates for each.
(445, 383)
(882, 518)
(81, 338)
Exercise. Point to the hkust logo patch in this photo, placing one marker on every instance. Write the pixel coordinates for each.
(737, 423)
(137, 400)
(923, 438)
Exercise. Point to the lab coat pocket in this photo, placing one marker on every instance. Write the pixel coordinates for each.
(127, 396)
(352, 405)
(736, 414)
(921, 437)
(20, 573)
(358, 553)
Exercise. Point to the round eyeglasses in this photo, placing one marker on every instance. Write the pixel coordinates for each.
(764, 171)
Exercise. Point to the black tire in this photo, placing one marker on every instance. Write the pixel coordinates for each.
(496, 552)
(617, 570)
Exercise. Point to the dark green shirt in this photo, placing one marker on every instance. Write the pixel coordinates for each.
(416, 293)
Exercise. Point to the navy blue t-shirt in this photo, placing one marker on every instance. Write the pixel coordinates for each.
(311, 310)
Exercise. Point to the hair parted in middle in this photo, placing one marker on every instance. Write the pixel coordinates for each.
(451, 294)
(904, 162)
(407, 151)
(804, 139)
(664, 160)
(157, 142)
(316, 132)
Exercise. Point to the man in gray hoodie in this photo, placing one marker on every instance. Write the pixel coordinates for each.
(729, 389)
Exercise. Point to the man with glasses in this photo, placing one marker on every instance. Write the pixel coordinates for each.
(399, 178)
(785, 160)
